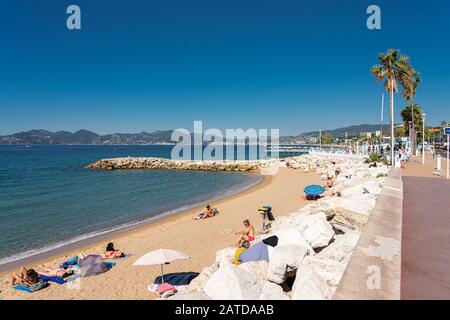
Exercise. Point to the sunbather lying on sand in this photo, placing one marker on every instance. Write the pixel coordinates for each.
(110, 253)
(248, 234)
(56, 273)
(208, 212)
(26, 277)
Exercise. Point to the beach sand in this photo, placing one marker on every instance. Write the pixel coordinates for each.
(199, 239)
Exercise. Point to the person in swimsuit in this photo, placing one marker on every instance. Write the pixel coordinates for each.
(26, 277)
(208, 212)
(248, 234)
(112, 253)
(330, 182)
(62, 273)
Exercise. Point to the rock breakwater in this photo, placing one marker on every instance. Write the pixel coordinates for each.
(169, 164)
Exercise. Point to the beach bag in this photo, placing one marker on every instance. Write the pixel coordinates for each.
(69, 262)
(38, 286)
(166, 287)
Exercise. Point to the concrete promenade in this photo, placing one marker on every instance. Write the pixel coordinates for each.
(426, 232)
(373, 272)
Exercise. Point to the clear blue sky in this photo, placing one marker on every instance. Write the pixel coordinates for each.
(147, 65)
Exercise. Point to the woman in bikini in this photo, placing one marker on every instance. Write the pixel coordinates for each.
(26, 277)
(111, 253)
(248, 234)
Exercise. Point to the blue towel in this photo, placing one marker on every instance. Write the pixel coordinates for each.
(54, 279)
(256, 252)
(69, 262)
(21, 287)
(41, 285)
(177, 279)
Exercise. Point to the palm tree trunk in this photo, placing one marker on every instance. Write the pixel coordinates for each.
(413, 130)
(391, 102)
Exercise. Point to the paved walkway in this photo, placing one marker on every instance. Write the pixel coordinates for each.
(426, 232)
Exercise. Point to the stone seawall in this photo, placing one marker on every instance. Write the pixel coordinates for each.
(169, 164)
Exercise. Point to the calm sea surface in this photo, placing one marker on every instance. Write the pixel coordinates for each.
(48, 199)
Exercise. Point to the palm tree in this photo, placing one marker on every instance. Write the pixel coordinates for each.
(410, 83)
(413, 113)
(394, 68)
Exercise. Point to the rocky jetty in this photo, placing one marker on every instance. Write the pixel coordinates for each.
(314, 246)
(169, 164)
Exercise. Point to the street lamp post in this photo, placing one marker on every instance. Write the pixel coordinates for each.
(423, 137)
(320, 140)
(410, 137)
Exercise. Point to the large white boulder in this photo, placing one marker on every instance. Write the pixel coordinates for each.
(309, 285)
(289, 236)
(372, 186)
(233, 283)
(352, 191)
(285, 259)
(258, 269)
(342, 247)
(225, 256)
(317, 230)
(199, 282)
(329, 270)
(362, 204)
(272, 291)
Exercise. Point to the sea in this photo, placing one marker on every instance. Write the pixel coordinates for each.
(48, 199)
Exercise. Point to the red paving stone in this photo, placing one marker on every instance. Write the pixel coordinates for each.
(426, 233)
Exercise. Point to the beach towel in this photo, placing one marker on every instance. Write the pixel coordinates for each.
(54, 279)
(271, 241)
(126, 255)
(33, 288)
(177, 279)
(256, 252)
(165, 287)
(69, 262)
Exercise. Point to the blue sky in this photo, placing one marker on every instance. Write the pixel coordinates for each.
(147, 65)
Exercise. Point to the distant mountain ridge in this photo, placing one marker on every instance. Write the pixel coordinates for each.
(351, 130)
(86, 137)
(81, 137)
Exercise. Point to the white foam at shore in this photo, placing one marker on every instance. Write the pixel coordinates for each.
(124, 227)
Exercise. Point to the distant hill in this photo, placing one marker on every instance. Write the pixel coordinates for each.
(157, 137)
(351, 130)
(86, 137)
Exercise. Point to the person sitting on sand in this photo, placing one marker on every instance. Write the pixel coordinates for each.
(26, 277)
(208, 212)
(112, 253)
(244, 246)
(248, 234)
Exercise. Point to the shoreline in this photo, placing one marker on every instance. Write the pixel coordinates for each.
(199, 239)
(74, 245)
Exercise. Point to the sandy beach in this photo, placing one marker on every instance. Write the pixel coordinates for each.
(199, 239)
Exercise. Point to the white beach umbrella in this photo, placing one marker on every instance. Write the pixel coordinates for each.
(161, 257)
